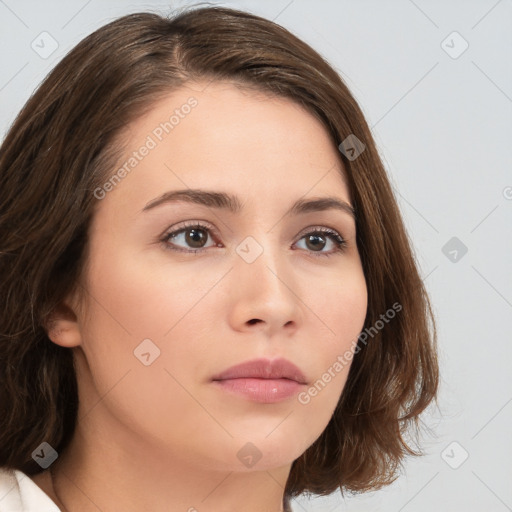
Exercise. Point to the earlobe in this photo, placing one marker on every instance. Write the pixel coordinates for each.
(62, 327)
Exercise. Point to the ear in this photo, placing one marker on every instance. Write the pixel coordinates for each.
(62, 327)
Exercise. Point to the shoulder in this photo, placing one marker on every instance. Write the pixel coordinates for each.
(19, 493)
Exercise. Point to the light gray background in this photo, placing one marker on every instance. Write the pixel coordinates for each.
(443, 126)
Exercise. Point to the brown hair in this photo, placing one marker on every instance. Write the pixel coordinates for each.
(61, 148)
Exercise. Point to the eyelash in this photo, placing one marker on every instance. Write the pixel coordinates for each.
(338, 240)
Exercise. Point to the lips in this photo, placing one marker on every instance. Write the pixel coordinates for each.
(262, 380)
(263, 369)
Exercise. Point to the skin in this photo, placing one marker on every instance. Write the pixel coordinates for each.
(163, 437)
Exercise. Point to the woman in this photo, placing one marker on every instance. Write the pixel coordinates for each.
(209, 297)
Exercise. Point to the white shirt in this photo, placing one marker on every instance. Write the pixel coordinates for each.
(19, 493)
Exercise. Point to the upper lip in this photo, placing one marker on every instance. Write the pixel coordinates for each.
(263, 369)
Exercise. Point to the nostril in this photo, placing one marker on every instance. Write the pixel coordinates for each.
(254, 320)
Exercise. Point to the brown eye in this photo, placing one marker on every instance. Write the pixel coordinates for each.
(191, 238)
(315, 241)
(195, 237)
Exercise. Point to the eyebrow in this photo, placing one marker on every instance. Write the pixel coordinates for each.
(231, 203)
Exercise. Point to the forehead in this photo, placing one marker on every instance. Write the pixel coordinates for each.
(220, 136)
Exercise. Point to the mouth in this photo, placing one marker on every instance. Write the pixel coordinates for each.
(262, 380)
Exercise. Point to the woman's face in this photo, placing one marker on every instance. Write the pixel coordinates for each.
(163, 321)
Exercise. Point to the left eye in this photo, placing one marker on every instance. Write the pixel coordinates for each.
(196, 237)
(316, 239)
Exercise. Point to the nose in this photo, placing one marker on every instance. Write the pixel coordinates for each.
(265, 294)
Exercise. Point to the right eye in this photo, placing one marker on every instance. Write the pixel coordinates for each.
(193, 233)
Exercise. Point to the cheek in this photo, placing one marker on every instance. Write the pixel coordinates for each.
(340, 303)
(341, 306)
(131, 303)
(144, 300)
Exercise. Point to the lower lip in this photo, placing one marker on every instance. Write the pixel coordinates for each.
(265, 391)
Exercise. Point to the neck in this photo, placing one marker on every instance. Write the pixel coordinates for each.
(97, 472)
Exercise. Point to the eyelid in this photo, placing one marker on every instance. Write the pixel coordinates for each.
(334, 235)
(211, 227)
(183, 226)
(190, 224)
